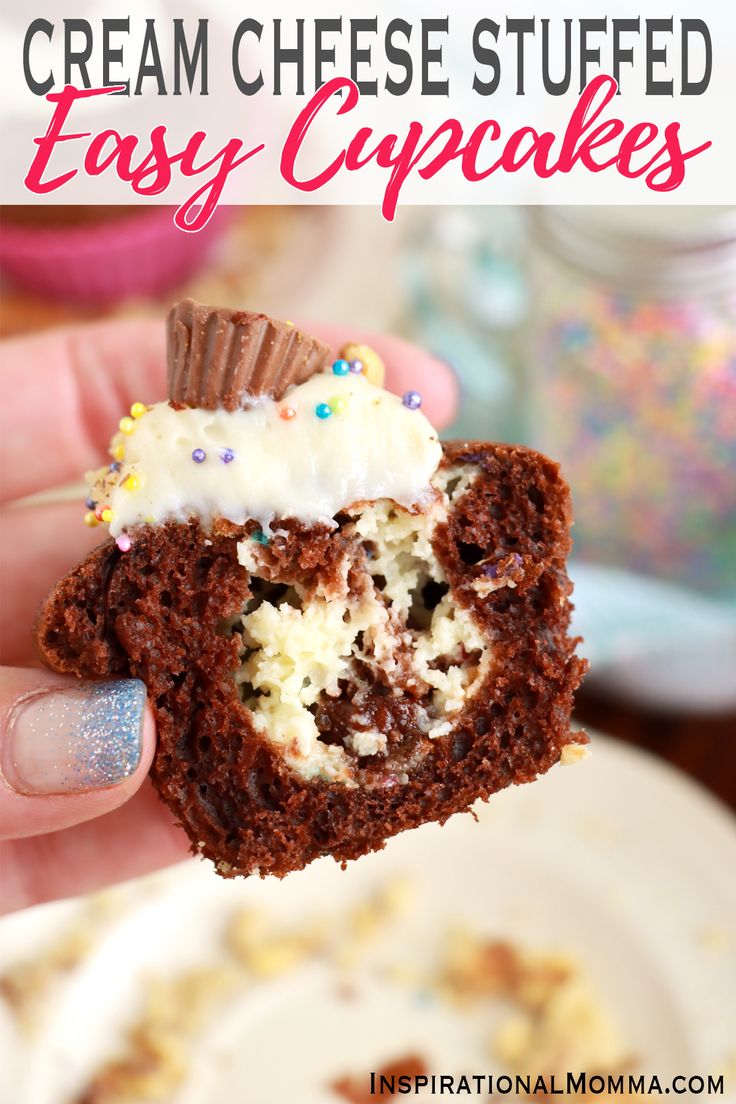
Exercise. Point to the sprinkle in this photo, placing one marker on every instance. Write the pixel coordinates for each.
(373, 368)
(124, 542)
(491, 570)
(340, 368)
(115, 467)
(106, 515)
(259, 537)
(287, 413)
(199, 456)
(412, 400)
(90, 503)
(356, 367)
(288, 322)
(118, 453)
(126, 425)
(227, 456)
(98, 512)
(338, 405)
(322, 410)
(90, 519)
(137, 410)
(133, 482)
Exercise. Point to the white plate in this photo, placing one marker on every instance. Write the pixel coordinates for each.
(621, 860)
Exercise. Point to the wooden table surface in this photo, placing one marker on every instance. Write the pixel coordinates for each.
(703, 746)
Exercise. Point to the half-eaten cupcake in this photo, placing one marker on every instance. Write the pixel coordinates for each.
(346, 627)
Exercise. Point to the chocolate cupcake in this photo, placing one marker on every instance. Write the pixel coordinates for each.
(346, 628)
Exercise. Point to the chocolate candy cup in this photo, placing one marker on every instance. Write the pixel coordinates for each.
(223, 359)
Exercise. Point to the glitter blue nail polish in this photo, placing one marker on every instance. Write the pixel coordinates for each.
(107, 744)
(81, 737)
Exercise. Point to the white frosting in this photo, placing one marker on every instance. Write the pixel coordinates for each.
(304, 467)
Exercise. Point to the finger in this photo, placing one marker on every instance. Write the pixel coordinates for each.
(65, 391)
(134, 839)
(69, 750)
(40, 544)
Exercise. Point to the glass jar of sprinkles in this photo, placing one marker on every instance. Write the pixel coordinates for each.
(633, 380)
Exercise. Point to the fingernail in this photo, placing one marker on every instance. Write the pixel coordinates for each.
(79, 738)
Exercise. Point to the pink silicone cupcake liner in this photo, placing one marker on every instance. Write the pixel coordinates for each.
(134, 256)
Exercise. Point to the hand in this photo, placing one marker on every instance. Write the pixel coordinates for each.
(75, 813)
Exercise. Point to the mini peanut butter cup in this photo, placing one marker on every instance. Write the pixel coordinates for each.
(223, 359)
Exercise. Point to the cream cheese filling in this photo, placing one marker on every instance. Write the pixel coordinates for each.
(302, 648)
(273, 459)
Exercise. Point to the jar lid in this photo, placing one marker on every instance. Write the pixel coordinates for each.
(667, 251)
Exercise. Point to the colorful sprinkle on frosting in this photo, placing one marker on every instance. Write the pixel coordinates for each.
(152, 457)
(412, 400)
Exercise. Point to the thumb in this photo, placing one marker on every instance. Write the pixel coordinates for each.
(69, 750)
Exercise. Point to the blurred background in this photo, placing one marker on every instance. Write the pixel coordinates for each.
(607, 338)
